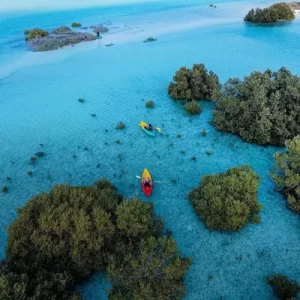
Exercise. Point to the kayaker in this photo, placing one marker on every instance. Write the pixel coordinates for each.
(98, 34)
(147, 182)
(149, 127)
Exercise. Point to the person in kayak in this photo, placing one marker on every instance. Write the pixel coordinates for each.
(98, 34)
(149, 127)
(147, 182)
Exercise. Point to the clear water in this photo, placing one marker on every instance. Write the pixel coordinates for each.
(38, 105)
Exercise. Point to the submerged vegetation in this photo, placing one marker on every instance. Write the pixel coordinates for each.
(193, 84)
(276, 12)
(283, 287)
(72, 232)
(120, 125)
(227, 201)
(149, 104)
(263, 108)
(287, 173)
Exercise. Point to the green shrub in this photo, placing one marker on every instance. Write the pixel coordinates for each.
(193, 107)
(227, 201)
(196, 83)
(283, 287)
(154, 271)
(263, 108)
(286, 173)
(120, 125)
(68, 230)
(36, 32)
(75, 24)
(40, 286)
(62, 237)
(136, 219)
(272, 14)
(149, 104)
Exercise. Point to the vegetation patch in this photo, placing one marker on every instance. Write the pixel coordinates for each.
(227, 201)
(120, 125)
(149, 104)
(150, 39)
(276, 12)
(283, 287)
(286, 173)
(34, 33)
(71, 232)
(197, 83)
(263, 108)
(193, 107)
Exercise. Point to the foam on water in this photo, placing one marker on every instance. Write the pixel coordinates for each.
(38, 105)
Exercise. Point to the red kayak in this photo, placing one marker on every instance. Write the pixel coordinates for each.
(147, 183)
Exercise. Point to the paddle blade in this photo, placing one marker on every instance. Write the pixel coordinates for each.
(158, 129)
(138, 177)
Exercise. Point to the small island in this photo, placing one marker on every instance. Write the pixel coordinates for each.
(274, 13)
(40, 40)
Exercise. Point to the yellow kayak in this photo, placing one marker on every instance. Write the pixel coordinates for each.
(147, 189)
(143, 125)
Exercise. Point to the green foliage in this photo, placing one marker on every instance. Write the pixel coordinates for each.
(154, 272)
(42, 285)
(227, 201)
(196, 83)
(120, 125)
(75, 24)
(283, 287)
(60, 238)
(286, 173)
(68, 230)
(137, 219)
(193, 107)
(264, 108)
(36, 32)
(272, 14)
(149, 104)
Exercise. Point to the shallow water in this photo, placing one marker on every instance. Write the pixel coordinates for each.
(38, 105)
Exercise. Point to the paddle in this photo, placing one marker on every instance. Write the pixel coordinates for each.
(158, 129)
(141, 178)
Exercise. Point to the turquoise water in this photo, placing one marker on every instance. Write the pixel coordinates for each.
(38, 105)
